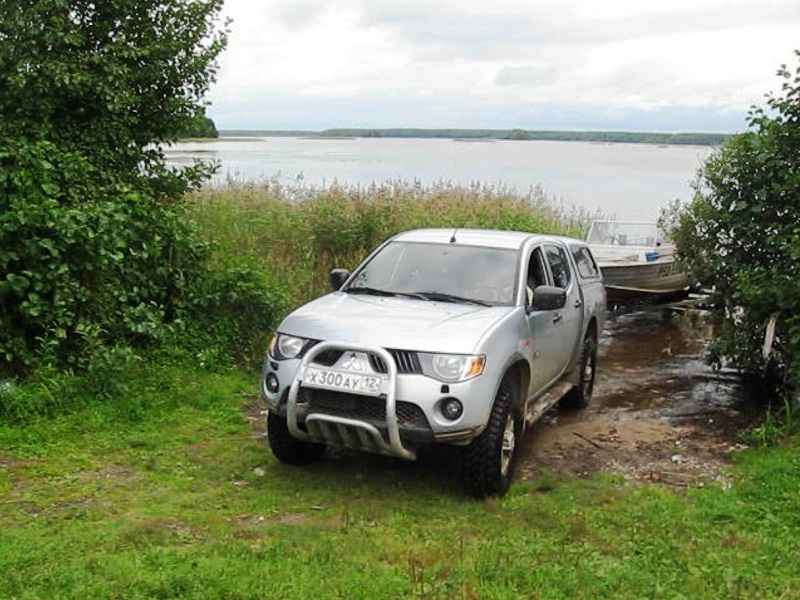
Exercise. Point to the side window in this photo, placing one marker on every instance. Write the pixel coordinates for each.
(585, 261)
(536, 273)
(559, 266)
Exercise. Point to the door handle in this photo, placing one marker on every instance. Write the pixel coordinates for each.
(557, 317)
(578, 303)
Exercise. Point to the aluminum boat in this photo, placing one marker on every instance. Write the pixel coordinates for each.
(638, 263)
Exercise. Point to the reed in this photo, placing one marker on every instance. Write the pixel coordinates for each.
(300, 232)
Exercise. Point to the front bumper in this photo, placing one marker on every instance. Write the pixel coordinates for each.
(351, 433)
(406, 415)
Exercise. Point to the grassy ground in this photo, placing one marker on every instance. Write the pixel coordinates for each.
(184, 500)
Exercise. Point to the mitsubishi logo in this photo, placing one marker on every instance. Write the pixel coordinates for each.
(351, 363)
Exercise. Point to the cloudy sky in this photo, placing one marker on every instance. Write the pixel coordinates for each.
(638, 65)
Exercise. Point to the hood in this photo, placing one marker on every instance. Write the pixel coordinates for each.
(399, 323)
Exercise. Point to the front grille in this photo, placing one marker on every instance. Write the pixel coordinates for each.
(407, 362)
(328, 358)
(362, 408)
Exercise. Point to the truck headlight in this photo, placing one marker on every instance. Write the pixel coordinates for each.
(452, 367)
(285, 346)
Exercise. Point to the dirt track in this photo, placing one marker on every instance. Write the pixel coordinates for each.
(659, 413)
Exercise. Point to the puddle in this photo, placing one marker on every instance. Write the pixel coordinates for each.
(659, 412)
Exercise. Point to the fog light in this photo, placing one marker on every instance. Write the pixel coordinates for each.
(272, 383)
(452, 409)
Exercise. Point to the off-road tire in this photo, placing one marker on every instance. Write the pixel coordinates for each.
(581, 395)
(289, 449)
(487, 464)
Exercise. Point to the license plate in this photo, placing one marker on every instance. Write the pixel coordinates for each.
(367, 385)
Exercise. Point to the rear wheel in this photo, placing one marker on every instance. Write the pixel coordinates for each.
(581, 395)
(488, 462)
(287, 448)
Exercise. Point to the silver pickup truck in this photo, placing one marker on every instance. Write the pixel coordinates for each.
(462, 337)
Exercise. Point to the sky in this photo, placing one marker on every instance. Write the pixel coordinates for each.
(632, 65)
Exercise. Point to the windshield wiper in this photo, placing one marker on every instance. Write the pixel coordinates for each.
(442, 297)
(436, 296)
(378, 292)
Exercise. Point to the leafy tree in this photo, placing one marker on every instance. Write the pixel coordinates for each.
(518, 134)
(200, 127)
(94, 246)
(741, 235)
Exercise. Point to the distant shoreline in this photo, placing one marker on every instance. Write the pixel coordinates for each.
(629, 137)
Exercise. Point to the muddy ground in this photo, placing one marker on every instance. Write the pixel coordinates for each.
(659, 412)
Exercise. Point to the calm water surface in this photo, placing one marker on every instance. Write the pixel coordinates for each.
(628, 181)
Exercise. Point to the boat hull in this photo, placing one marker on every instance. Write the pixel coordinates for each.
(637, 260)
(657, 280)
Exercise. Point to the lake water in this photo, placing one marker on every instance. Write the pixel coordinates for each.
(627, 181)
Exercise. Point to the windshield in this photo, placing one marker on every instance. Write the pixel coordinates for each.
(610, 233)
(442, 272)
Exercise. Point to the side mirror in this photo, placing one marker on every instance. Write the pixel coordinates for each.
(338, 277)
(548, 297)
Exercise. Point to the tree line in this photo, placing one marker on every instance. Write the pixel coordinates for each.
(629, 137)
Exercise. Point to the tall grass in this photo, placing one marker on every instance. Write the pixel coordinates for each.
(301, 232)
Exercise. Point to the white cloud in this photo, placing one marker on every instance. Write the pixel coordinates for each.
(508, 63)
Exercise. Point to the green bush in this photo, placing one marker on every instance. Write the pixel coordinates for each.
(741, 236)
(84, 261)
(232, 313)
(95, 247)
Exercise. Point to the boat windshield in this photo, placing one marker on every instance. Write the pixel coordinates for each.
(440, 272)
(613, 233)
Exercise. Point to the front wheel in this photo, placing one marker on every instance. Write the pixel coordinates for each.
(287, 448)
(488, 462)
(580, 395)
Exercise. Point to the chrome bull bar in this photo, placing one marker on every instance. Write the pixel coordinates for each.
(341, 431)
